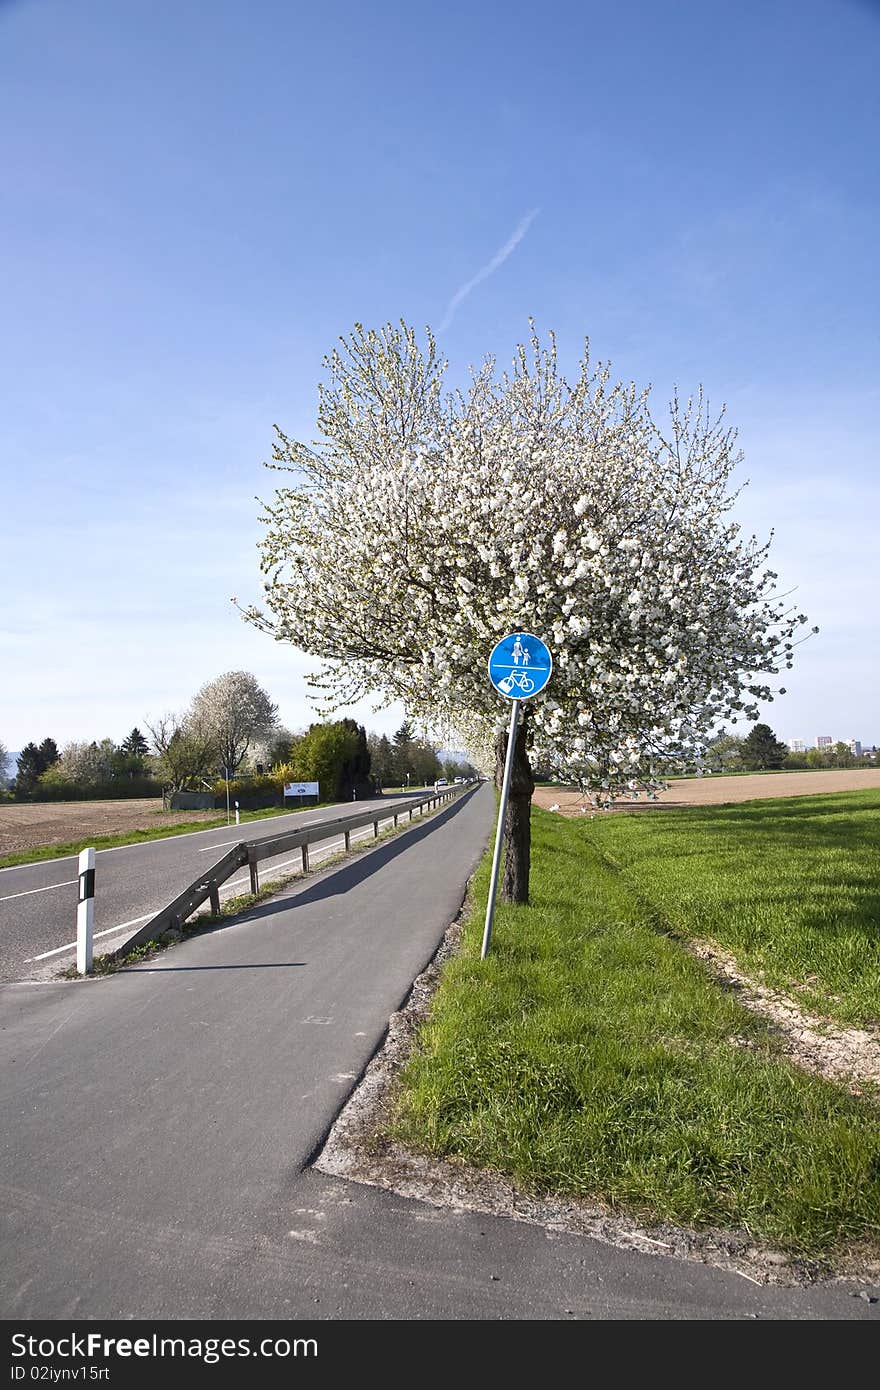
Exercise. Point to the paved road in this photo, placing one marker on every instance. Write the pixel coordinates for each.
(38, 901)
(158, 1126)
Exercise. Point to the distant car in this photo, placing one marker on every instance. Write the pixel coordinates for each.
(458, 781)
(441, 782)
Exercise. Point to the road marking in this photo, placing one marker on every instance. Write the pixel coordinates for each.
(66, 884)
(135, 921)
(206, 849)
(109, 932)
(276, 868)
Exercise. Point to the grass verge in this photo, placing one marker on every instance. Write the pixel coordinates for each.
(790, 886)
(590, 1056)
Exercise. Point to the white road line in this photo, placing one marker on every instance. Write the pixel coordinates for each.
(206, 849)
(135, 921)
(66, 884)
(109, 932)
(276, 868)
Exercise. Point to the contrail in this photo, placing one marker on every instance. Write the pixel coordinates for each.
(489, 269)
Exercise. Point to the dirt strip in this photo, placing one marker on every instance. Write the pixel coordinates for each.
(722, 791)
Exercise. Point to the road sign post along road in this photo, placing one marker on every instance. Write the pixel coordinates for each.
(519, 668)
(85, 912)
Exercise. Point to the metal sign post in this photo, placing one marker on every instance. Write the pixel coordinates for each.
(519, 667)
(499, 832)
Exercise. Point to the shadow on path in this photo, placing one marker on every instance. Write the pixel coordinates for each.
(347, 876)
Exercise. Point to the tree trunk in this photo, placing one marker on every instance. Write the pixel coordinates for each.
(517, 821)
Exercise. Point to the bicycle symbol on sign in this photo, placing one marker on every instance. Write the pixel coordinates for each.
(525, 683)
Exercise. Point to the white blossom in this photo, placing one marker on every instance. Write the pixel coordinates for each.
(423, 528)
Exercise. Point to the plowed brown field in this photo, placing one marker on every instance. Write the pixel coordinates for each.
(720, 791)
(28, 826)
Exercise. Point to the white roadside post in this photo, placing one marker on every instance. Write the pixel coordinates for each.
(519, 667)
(85, 912)
(237, 815)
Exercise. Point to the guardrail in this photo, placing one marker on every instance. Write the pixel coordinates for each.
(206, 888)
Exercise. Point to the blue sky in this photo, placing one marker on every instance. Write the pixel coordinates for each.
(200, 198)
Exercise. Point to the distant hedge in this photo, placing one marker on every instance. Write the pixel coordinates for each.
(117, 789)
(251, 793)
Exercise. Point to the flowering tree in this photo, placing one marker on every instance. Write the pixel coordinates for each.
(85, 763)
(237, 710)
(424, 526)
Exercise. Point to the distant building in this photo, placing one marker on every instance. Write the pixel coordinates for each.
(797, 745)
(855, 747)
(824, 741)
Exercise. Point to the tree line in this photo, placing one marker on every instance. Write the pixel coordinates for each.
(229, 736)
(761, 751)
(406, 760)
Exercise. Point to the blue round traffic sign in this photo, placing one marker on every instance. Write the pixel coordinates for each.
(520, 665)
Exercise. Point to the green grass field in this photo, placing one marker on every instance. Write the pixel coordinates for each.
(791, 886)
(591, 1055)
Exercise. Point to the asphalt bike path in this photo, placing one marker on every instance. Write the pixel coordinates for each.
(158, 1127)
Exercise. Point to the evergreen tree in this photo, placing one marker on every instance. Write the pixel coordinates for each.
(404, 753)
(424, 763)
(761, 749)
(49, 752)
(135, 745)
(32, 763)
(404, 737)
(129, 759)
(354, 776)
